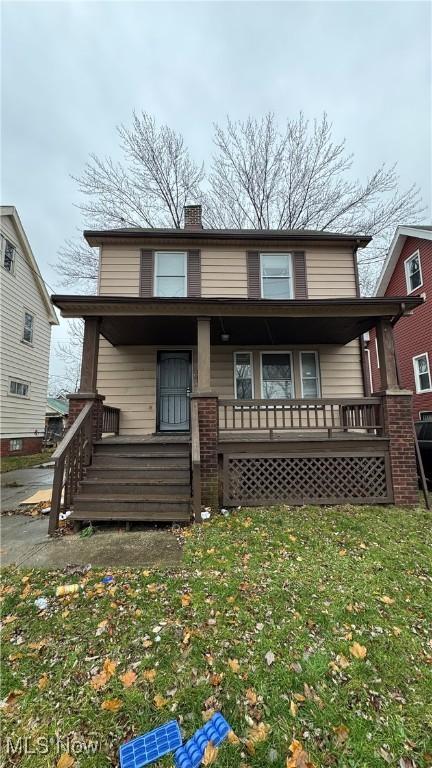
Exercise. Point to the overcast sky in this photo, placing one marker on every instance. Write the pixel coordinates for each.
(71, 71)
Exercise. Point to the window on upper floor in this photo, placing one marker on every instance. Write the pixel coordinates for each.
(8, 253)
(276, 276)
(310, 382)
(28, 328)
(19, 388)
(413, 273)
(243, 375)
(422, 373)
(170, 273)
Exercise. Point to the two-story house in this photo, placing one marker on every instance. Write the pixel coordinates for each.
(229, 367)
(27, 316)
(407, 271)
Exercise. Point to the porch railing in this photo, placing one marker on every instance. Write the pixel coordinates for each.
(110, 420)
(195, 461)
(71, 457)
(331, 415)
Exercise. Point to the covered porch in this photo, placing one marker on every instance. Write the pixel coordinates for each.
(326, 440)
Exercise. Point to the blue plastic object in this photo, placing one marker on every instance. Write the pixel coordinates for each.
(151, 746)
(192, 753)
(107, 579)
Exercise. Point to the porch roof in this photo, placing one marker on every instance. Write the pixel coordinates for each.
(135, 320)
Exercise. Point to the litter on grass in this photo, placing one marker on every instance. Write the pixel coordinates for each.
(67, 589)
(41, 603)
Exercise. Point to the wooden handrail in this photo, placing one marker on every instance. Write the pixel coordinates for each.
(330, 414)
(71, 457)
(195, 461)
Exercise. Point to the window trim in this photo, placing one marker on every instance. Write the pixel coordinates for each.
(291, 276)
(407, 275)
(251, 357)
(377, 353)
(5, 240)
(155, 271)
(277, 352)
(24, 341)
(318, 371)
(19, 381)
(369, 365)
(420, 391)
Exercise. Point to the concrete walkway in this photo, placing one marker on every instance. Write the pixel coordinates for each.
(25, 542)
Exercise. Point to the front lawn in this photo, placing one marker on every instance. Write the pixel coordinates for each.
(8, 463)
(298, 624)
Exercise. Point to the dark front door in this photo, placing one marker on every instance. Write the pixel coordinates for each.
(174, 383)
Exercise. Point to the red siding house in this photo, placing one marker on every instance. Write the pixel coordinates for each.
(408, 271)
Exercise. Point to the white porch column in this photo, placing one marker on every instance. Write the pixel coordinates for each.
(203, 357)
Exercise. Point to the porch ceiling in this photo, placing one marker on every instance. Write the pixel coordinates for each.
(263, 322)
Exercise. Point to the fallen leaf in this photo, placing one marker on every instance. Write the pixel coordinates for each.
(299, 757)
(341, 732)
(11, 698)
(210, 754)
(293, 708)
(258, 733)
(342, 552)
(233, 738)
(270, 658)
(234, 665)
(386, 600)
(397, 631)
(43, 681)
(9, 619)
(215, 679)
(112, 705)
(251, 696)
(65, 761)
(99, 681)
(160, 701)
(109, 667)
(342, 661)
(128, 678)
(149, 675)
(186, 638)
(358, 651)
(185, 600)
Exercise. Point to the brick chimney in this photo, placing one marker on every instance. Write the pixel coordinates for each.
(193, 217)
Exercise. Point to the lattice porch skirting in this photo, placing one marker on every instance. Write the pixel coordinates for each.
(331, 478)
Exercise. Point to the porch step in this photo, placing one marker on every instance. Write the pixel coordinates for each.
(145, 447)
(143, 485)
(107, 472)
(142, 460)
(131, 506)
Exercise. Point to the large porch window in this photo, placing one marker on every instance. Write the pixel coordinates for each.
(170, 278)
(276, 276)
(276, 375)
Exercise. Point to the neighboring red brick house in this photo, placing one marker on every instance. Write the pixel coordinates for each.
(407, 271)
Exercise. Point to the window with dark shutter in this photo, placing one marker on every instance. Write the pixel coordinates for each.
(194, 274)
(253, 275)
(300, 278)
(146, 274)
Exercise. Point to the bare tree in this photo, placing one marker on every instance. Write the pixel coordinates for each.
(299, 178)
(70, 354)
(261, 176)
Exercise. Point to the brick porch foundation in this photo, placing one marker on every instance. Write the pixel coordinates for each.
(398, 425)
(208, 432)
(29, 445)
(78, 401)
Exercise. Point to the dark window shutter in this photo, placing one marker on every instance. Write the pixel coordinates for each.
(300, 279)
(194, 273)
(146, 274)
(253, 275)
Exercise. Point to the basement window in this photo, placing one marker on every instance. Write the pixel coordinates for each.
(15, 444)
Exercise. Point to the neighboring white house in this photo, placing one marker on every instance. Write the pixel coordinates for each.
(27, 315)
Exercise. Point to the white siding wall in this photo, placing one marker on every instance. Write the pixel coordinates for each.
(20, 417)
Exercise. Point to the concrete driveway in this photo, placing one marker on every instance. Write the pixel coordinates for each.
(22, 483)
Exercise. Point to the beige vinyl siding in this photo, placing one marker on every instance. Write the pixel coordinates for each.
(330, 273)
(223, 272)
(119, 271)
(21, 417)
(127, 377)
